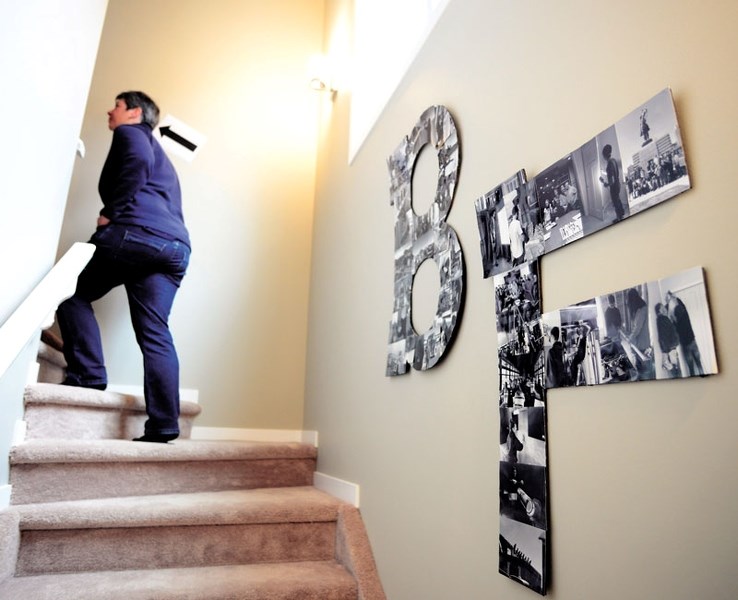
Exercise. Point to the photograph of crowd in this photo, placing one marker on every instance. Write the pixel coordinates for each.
(510, 227)
(522, 554)
(560, 196)
(522, 382)
(654, 167)
(655, 330)
(420, 237)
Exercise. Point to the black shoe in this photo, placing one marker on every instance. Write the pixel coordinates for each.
(160, 438)
(89, 386)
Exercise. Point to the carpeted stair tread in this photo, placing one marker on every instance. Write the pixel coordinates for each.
(94, 451)
(52, 355)
(284, 581)
(51, 393)
(55, 411)
(97, 516)
(234, 507)
(47, 470)
(52, 367)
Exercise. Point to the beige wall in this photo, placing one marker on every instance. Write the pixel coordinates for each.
(642, 476)
(237, 72)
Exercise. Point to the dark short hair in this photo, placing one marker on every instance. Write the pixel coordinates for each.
(555, 332)
(607, 150)
(149, 109)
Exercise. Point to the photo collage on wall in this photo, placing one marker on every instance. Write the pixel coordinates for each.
(630, 166)
(522, 402)
(421, 237)
(656, 330)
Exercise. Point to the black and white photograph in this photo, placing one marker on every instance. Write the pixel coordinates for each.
(553, 350)
(487, 208)
(405, 226)
(523, 435)
(444, 139)
(522, 553)
(652, 153)
(400, 329)
(522, 377)
(560, 198)
(626, 349)
(571, 345)
(520, 345)
(681, 327)
(579, 334)
(605, 201)
(518, 306)
(617, 360)
(397, 359)
(531, 217)
(505, 225)
(523, 493)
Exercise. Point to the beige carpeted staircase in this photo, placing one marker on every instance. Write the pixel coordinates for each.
(97, 517)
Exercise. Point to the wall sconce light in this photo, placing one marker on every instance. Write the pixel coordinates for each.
(320, 73)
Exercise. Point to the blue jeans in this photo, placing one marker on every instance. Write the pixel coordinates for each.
(150, 267)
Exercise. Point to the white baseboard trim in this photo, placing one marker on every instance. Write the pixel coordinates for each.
(185, 395)
(255, 435)
(5, 496)
(343, 490)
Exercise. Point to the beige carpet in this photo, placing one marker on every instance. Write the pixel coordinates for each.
(50, 470)
(64, 412)
(315, 581)
(112, 519)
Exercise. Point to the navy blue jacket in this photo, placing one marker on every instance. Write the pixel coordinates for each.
(139, 186)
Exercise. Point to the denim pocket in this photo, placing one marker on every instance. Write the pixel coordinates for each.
(139, 248)
(180, 257)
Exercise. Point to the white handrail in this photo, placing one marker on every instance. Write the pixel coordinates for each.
(38, 308)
